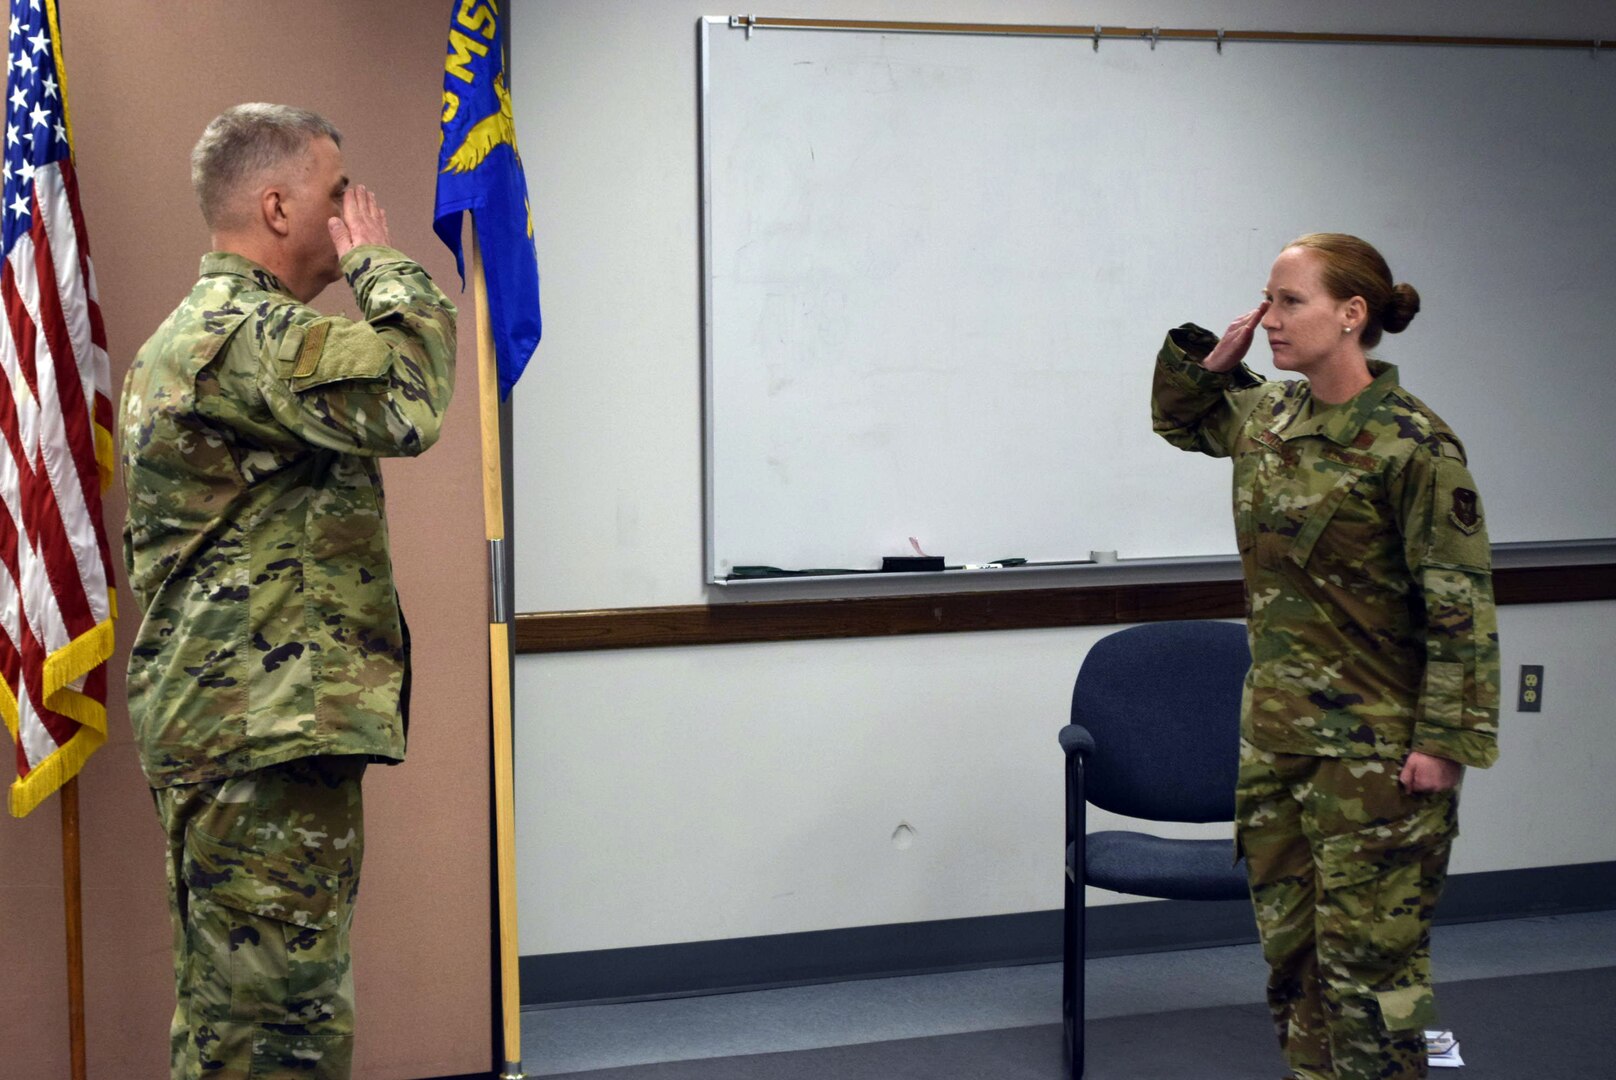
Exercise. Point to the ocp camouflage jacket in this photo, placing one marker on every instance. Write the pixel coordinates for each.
(1368, 572)
(256, 542)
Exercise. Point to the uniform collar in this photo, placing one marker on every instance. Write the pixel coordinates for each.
(228, 262)
(1342, 423)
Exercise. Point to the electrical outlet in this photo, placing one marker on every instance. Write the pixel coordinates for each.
(1531, 699)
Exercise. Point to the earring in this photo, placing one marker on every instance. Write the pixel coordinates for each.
(1346, 329)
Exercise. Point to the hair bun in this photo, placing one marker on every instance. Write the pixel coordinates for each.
(1401, 308)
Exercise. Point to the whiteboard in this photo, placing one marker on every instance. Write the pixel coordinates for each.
(938, 268)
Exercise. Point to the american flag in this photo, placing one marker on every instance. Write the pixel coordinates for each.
(56, 602)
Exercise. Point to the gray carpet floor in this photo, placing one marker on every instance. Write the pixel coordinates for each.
(1512, 1028)
(1005, 1019)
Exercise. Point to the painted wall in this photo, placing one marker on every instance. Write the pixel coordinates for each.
(143, 79)
(702, 793)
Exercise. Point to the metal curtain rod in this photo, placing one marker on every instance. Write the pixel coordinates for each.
(1157, 33)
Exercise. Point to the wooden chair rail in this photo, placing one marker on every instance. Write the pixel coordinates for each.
(939, 613)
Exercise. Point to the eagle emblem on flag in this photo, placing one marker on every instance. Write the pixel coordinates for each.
(485, 134)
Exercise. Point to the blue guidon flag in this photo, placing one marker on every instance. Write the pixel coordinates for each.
(480, 170)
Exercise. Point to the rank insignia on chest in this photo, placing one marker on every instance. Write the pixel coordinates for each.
(1362, 462)
(1466, 513)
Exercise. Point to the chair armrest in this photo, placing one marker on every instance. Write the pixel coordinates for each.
(1075, 737)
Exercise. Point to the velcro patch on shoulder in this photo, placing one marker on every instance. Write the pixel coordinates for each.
(308, 357)
(337, 350)
(1458, 523)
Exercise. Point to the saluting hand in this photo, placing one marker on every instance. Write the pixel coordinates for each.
(362, 221)
(1231, 349)
(1423, 773)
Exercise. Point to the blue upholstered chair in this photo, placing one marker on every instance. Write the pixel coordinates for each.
(1155, 734)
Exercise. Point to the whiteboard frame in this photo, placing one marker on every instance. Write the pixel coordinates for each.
(1511, 554)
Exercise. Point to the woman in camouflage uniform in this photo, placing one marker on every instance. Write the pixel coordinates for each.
(1374, 643)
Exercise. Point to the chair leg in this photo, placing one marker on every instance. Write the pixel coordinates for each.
(1074, 948)
(1072, 978)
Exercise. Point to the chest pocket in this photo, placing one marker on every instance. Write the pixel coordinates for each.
(204, 383)
(1287, 515)
(1318, 519)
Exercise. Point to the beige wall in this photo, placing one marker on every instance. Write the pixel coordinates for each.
(143, 79)
(755, 789)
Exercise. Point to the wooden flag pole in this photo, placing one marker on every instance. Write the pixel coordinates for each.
(499, 671)
(72, 896)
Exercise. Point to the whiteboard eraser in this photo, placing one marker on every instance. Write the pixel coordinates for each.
(898, 564)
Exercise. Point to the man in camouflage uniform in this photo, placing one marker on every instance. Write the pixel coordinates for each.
(1374, 651)
(273, 660)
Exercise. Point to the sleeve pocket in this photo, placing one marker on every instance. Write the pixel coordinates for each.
(1443, 695)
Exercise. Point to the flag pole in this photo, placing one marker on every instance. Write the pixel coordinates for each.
(72, 896)
(499, 671)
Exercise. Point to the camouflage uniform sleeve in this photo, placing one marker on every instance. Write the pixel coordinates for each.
(372, 388)
(1193, 408)
(1445, 544)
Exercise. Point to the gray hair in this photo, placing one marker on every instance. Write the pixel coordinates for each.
(243, 142)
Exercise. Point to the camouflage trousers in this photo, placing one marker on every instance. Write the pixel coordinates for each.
(1345, 871)
(263, 870)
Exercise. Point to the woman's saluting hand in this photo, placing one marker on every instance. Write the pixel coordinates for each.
(1231, 349)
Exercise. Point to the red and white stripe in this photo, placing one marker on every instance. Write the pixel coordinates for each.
(56, 602)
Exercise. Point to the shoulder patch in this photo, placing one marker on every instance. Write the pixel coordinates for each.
(337, 350)
(1465, 510)
(1449, 446)
(1458, 524)
(308, 357)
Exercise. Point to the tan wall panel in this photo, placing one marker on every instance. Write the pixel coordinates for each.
(143, 79)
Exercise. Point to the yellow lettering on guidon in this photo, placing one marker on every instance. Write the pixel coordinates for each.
(451, 106)
(480, 19)
(463, 46)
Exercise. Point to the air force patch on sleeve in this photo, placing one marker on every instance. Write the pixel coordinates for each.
(1466, 511)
